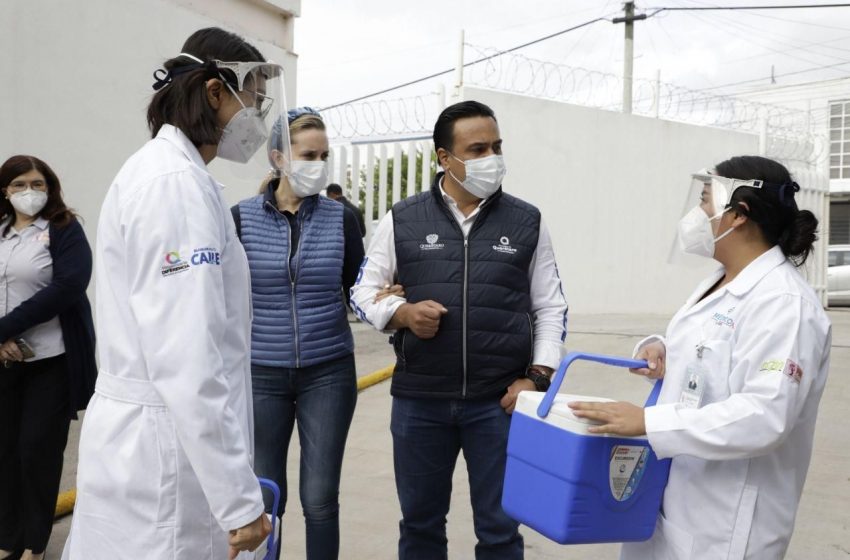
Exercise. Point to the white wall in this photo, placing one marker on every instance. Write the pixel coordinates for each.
(77, 75)
(611, 188)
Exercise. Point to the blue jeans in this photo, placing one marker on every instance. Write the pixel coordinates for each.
(321, 399)
(428, 434)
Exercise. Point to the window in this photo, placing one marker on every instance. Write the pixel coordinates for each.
(839, 140)
(839, 223)
(839, 258)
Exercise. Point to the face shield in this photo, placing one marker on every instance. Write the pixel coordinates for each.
(254, 135)
(708, 198)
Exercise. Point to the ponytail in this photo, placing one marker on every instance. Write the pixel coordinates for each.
(797, 240)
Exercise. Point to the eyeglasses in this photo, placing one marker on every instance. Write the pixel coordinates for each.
(21, 186)
(262, 102)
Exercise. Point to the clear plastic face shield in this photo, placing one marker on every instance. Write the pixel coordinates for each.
(707, 200)
(253, 138)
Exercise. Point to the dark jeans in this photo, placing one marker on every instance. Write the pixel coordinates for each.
(428, 434)
(321, 399)
(34, 420)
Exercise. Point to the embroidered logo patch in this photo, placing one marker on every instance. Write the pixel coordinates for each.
(173, 264)
(793, 371)
(431, 243)
(504, 246)
(787, 367)
(723, 320)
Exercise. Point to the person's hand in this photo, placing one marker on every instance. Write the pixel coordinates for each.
(655, 353)
(618, 418)
(423, 318)
(508, 402)
(250, 536)
(9, 352)
(387, 291)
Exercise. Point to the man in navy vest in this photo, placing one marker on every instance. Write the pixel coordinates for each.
(483, 318)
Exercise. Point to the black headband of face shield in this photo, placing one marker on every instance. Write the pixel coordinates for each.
(164, 77)
(784, 191)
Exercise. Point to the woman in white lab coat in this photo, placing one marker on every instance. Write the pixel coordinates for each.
(744, 364)
(165, 463)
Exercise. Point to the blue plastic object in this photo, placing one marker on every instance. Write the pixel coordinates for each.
(578, 488)
(273, 545)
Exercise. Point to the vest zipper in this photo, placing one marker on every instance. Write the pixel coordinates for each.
(292, 282)
(454, 222)
(465, 304)
(531, 336)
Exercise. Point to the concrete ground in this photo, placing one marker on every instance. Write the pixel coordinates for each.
(369, 509)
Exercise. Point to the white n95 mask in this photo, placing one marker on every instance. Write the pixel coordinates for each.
(242, 136)
(696, 235)
(29, 202)
(483, 175)
(308, 177)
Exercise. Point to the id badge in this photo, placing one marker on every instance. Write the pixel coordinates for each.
(694, 385)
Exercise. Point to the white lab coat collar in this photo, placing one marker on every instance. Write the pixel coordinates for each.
(174, 135)
(755, 271)
(742, 283)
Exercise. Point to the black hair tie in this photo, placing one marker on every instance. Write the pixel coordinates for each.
(164, 77)
(782, 190)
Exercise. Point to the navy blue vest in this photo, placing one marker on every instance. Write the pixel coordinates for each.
(485, 341)
(299, 315)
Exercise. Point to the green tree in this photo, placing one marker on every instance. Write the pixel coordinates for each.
(405, 161)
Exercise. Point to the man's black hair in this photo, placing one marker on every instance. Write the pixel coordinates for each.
(444, 127)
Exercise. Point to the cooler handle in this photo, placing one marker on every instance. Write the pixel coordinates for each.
(549, 397)
(271, 549)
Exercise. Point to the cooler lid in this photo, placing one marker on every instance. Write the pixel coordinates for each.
(560, 415)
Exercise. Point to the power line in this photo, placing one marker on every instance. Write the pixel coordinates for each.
(748, 34)
(484, 59)
(778, 75)
(775, 7)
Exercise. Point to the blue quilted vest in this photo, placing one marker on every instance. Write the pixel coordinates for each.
(485, 341)
(299, 315)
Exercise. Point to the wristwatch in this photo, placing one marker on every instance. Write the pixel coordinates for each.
(539, 378)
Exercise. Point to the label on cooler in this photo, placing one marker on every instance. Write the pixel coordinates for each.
(625, 469)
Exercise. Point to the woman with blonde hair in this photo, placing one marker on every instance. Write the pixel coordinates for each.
(304, 251)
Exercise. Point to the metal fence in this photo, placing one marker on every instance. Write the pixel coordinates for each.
(382, 149)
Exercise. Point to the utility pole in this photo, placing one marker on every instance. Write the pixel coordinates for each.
(628, 56)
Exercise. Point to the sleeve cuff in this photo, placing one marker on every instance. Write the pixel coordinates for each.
(391, 305)
(547, 354)
(648, 340)
(242, 520)
(660, 421)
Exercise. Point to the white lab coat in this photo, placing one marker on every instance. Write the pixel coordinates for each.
(165, 467)
(740, 459)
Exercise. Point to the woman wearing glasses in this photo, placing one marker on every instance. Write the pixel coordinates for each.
(166, 448)
(46, 348)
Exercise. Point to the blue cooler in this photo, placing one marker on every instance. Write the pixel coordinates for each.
(575, 487)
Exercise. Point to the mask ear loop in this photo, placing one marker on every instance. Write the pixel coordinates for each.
(239, 99)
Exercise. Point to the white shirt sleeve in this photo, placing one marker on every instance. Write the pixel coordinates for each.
(648, 340)
(548, 304)
(378, 270)
(181, 321)
(774, 361)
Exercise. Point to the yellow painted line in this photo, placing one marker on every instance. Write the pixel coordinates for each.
(65, 502)
(375, 377)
